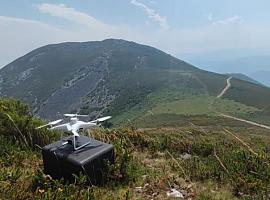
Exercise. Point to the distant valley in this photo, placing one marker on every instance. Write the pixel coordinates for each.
(262, 76)
(256, 67)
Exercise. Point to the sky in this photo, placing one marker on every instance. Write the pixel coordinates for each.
(183, 28)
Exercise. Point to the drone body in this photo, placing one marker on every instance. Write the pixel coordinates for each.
(74, 126)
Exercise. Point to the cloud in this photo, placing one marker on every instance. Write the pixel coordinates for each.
(224, 35)
(153, 2)
(92, 28)
(71, 14)
(210, 17)
(236, 19)
(152, 14)
(18, 36)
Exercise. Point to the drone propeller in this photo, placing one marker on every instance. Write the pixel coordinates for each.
(102, 119)
(50, 123)
(75, 115)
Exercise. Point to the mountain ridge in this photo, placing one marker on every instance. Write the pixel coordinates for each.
(25, 70)
(110, 77)
(244, 77)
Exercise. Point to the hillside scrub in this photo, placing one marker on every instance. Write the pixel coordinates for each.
(149, 162)
(17, 125)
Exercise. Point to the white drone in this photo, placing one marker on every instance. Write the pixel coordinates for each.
(74, 126)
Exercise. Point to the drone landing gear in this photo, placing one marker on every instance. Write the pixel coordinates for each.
(74, 142)
(75, 138)
(63, 142)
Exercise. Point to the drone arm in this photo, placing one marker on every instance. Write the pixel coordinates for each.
(42, 126)
(85, 125)
(101, 119)
(50, 123)
(63, 127)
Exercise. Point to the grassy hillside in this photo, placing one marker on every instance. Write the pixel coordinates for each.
(200, 159)
(183, 103)
(251, 95)
(78, 70)
(125, 80)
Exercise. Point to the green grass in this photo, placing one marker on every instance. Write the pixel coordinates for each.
(183, 102)
(133, 79)
(250, 94)
(151, 161)
(148, 161)
(190, 106)
(202, 104)
(234, 108)
(194, 94)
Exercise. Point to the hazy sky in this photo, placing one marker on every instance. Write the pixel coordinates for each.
(179, 27)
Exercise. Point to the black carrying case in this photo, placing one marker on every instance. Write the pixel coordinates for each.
(62, 161)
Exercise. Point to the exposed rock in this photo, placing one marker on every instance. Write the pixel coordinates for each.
(25, 74)
(138, 189)
(70, 97)
(175, 194)
(185, 156)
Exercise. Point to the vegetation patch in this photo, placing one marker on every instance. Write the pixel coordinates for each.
(202, 162)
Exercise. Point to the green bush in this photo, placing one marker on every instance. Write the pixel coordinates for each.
(18, 125)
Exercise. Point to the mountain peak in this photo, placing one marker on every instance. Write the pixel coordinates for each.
(112, 76)
(75, 70)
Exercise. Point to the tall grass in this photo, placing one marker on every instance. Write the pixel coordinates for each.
(150, 159)
(17, 124)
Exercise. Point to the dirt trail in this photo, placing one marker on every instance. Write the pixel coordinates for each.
(246, 121)
(226, 88)
(223, 92)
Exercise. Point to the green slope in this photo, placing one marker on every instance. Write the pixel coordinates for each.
(201, 162)
(126, 80)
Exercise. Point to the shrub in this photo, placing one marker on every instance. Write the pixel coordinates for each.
(17, 124)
